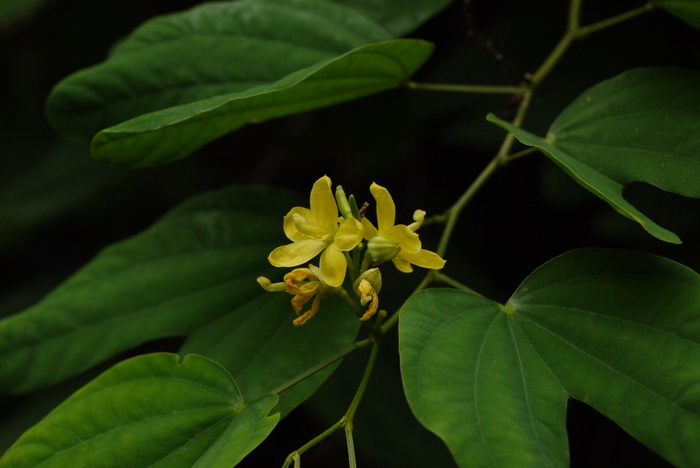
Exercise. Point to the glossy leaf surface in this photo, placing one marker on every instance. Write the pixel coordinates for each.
(149, 411)
(192, 274)
(640, 126)
(618, 330)
(182, 80)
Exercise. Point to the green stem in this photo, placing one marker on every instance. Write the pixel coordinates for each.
(463, 88)
(441, 277)
(352, 460)
(350, 413)
(322, 365)
(351, 266)
(604, 24)
(347, 418)
(563, 45)
(393, 320)
(553, 58)
(574, 15)
(295, 456)
(520, 154)
(454, 212)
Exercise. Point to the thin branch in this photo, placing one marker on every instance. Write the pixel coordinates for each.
(465, 88)
(584, 31)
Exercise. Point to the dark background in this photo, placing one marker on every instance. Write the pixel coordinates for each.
(58, 208)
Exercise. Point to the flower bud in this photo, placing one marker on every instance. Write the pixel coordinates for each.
(367, 288)
(343, 204)
(382, 250)
(269, 286)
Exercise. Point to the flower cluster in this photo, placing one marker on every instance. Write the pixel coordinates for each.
(342, 240)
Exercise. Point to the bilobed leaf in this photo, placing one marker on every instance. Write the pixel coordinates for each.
(182, 80)
(621, 331)
(473, 379)
(687, 10)
(640, 126)
(618, 330)
(149, 411)
(192, 274)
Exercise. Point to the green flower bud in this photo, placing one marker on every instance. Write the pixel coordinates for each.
(382, 250)
(343, 204)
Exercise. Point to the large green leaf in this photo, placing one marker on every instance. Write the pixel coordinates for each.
(687, 10)
(639, 126)
(192, 274)
(164, 136)
(182, 80)
(149, 411)
(471, 377)
(618, 330)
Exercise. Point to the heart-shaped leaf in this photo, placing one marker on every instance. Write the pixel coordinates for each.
(472, 378)
(618, 330)
(639, 126)
(149, 411)
(192, 274)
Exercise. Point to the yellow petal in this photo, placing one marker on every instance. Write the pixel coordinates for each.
(402, 265)
(333, 266)
(423, 259)
(368, 295)
(302, 319)
(323, 205)
(299, 301)
(369, 230)
(295, 254)
(404, 237)
(386, 210)
(301, 282)
(418, 218)
(290, 227)
(349, 234)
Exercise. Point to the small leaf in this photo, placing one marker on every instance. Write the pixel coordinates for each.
(597, 183)
(618, 330)
(687, 10)
(149, 411)
(193, 274)
(639, 126)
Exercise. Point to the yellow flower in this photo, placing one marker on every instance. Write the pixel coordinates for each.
(367, 288)
(398, 243)
(304, 284)
(317, 229)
